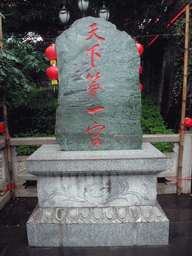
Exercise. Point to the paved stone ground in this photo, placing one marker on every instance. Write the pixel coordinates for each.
(13, 235)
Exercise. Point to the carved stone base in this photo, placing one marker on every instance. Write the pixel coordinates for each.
(97, 198)
(100, 190)
(110, 226)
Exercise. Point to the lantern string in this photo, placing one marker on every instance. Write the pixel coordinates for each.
(181, 132)
(177, 180)
(8, 187)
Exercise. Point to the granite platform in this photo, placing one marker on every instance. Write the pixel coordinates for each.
(97, 198)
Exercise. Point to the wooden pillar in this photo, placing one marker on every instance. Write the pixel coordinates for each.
(181, 141)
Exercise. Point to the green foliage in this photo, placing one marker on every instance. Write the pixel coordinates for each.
(37, 113)
(151, 119)
(11, 75)
(42, 16)
(33, 15)
(28, 150)
(2, 15)
(34, 134)
(152, 123)
(22, 67)
(178, 28)
(164, 146)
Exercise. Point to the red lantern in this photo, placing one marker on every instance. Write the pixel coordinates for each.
(51, 53)
(139, 48)
(2, 128)
(52, 73)
(188, 122)
(141, 87)
(140, 70)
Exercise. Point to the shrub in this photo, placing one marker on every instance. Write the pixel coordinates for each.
(38, 113)
(152, 123)
(24, 150)
(28, 150)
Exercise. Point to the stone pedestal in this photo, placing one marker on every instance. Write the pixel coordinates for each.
(97, 198)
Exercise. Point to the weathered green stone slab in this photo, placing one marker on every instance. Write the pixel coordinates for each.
(118, 95)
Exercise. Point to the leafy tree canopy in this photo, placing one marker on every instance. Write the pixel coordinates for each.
(22, 67)
(41, 16)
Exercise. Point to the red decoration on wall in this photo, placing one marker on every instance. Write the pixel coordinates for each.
(52, 72)
(141, 87)
(51, 53)
(139, 48)
(2, 128)
(94, 110)
(140, 70)
(188, 122)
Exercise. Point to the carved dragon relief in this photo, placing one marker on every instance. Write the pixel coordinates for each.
(97, 194)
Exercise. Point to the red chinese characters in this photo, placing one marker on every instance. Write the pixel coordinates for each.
(94, 110)
(92, 50)
(97, 142)
(96, 134)
(94, 85)
(92, 33)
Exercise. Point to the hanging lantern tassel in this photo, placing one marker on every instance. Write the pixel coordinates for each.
(52, 73)
(53, 62)
(54, 82)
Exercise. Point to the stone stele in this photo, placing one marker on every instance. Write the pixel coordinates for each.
(99, 102)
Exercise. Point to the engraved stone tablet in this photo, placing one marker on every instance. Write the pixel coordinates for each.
(99, 102)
